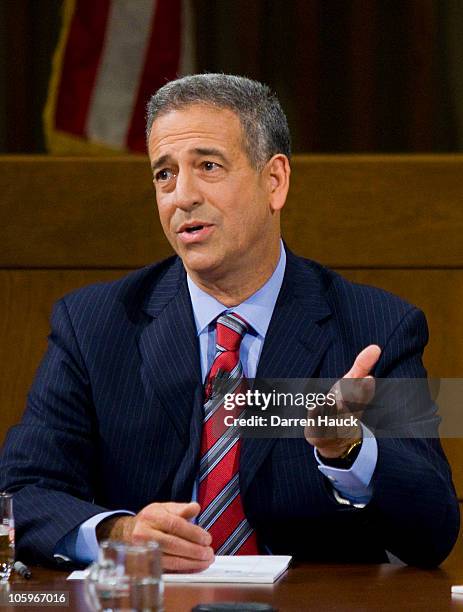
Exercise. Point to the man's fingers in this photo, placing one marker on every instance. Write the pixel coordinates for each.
(172, 544)
(173, 563)
(158, 517)
(364, 362)
(352, 392)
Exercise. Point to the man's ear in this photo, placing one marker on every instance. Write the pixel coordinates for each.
(278, 172)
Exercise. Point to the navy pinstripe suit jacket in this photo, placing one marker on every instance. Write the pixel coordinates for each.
(114, 417)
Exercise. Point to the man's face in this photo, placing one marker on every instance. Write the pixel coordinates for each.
(213, 205)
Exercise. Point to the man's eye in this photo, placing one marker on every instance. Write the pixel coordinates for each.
(163, 175)
(208, 165)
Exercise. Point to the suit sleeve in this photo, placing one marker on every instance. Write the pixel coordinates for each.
(49, 460)
(414, 505)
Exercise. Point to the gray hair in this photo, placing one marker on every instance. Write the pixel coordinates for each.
(263, 121)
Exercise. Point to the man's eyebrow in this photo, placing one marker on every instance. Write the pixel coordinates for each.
(203, 151)
(210, 151)
(159, 161)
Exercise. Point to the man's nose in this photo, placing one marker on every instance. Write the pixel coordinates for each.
(187, 194)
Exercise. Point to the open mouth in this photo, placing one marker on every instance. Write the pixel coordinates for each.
(195, 232)
(192, 227)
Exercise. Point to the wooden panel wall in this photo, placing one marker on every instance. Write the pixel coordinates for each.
(375, 212)
(390, 221)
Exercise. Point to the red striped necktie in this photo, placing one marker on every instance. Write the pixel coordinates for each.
(219, 495)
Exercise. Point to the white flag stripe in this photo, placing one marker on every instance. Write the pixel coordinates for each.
(117, 83)
(187, 40)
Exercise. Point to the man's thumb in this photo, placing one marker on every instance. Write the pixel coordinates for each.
(185, 510)
(364, 362)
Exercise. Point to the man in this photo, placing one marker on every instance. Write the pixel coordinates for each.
(116, 438)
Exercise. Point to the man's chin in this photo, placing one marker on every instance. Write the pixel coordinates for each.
(200, 264)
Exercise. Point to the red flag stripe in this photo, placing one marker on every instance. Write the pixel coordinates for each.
(161, 65)
(80, 65)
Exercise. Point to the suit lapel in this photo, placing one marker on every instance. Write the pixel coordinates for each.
(295, 343)
(169, 349)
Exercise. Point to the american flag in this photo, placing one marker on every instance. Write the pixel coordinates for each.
(112, 55)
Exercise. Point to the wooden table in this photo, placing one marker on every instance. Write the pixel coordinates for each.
(305, 587)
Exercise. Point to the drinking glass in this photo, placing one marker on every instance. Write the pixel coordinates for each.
(6, 536)
(126, 578)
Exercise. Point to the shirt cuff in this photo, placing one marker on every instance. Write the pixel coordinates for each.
(80, 544)
(354, 484)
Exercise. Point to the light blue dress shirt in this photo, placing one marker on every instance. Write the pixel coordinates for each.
(350, 486)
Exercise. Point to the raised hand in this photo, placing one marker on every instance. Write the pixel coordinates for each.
(358, 393)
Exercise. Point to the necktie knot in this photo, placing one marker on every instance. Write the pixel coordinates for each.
(230, 330)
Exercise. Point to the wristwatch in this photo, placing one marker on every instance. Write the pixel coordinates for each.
(347, 458)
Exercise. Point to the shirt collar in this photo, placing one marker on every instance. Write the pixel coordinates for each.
(257, 310)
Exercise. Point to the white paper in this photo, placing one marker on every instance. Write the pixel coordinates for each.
(257, 569)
